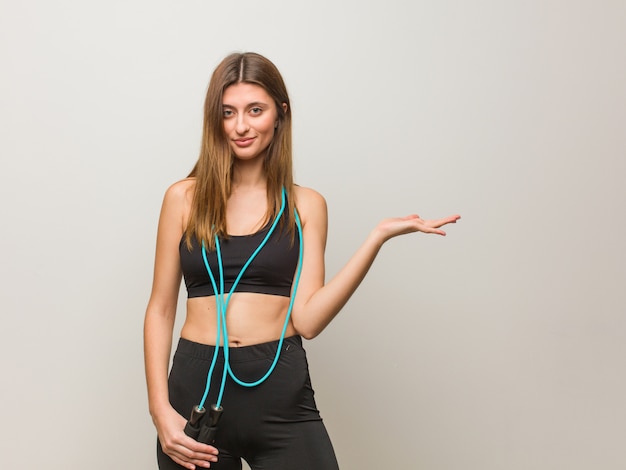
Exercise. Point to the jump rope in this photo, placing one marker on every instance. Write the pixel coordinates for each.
(204, 430)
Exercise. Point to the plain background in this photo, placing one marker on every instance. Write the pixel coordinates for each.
(501, 346)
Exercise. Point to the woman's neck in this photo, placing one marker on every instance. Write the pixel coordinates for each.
(249, 175)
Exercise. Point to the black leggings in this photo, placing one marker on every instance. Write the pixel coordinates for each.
(274, 426)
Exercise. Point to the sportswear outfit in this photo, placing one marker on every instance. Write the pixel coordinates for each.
(275, 425)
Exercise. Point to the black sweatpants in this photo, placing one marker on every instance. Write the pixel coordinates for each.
(273, 426)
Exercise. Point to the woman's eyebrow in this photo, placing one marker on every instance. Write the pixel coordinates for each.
(249, 105)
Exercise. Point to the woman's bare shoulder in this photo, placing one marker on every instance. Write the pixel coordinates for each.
(177, 201)
(307, 198)
(311, 206)
(181, 190)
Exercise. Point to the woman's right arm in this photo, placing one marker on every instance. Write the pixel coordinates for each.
(158, 328)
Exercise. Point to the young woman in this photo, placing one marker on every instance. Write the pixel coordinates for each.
(250, 246)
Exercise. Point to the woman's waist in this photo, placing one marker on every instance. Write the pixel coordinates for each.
(250, 319)
(239, 354)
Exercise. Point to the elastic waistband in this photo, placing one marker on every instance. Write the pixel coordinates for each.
(238, 354)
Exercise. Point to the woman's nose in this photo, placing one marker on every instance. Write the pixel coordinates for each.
(241, 126)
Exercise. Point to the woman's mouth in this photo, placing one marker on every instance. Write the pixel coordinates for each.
(244, 142)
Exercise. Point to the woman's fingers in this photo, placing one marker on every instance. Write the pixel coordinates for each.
(188, 458)
(182, 463)
(393, 227)
(446, 220)
(178, 446)
(190, 453)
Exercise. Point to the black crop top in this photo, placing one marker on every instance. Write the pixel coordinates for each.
(271, 272)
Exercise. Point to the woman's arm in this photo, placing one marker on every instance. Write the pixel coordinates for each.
(158, 327)
(317, 303)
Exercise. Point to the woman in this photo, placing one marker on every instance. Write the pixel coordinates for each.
(239, 220)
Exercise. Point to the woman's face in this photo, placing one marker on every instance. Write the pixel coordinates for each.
(250, 118)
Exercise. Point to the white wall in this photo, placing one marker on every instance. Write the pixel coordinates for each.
(501, 346)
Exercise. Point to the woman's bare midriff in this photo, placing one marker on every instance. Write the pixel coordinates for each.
(250, 318)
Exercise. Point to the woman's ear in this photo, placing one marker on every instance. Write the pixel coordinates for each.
(285, 107)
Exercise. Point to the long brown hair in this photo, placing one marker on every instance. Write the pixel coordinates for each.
(213, 170)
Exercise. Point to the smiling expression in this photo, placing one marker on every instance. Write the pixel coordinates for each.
(250, 119)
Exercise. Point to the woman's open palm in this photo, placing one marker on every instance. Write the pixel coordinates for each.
(395, 226)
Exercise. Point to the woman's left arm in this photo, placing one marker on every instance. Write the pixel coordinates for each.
(316, 303)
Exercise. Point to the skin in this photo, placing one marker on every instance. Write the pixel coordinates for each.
(249, 119)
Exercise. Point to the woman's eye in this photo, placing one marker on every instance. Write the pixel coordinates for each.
(227, 113)
(256, 110)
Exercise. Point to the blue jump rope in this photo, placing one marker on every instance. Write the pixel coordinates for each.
(205, 430)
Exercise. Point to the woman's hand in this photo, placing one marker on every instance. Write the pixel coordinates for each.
(389, 228)
(181, 448)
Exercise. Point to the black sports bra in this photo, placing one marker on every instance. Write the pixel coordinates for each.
(271, 272)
